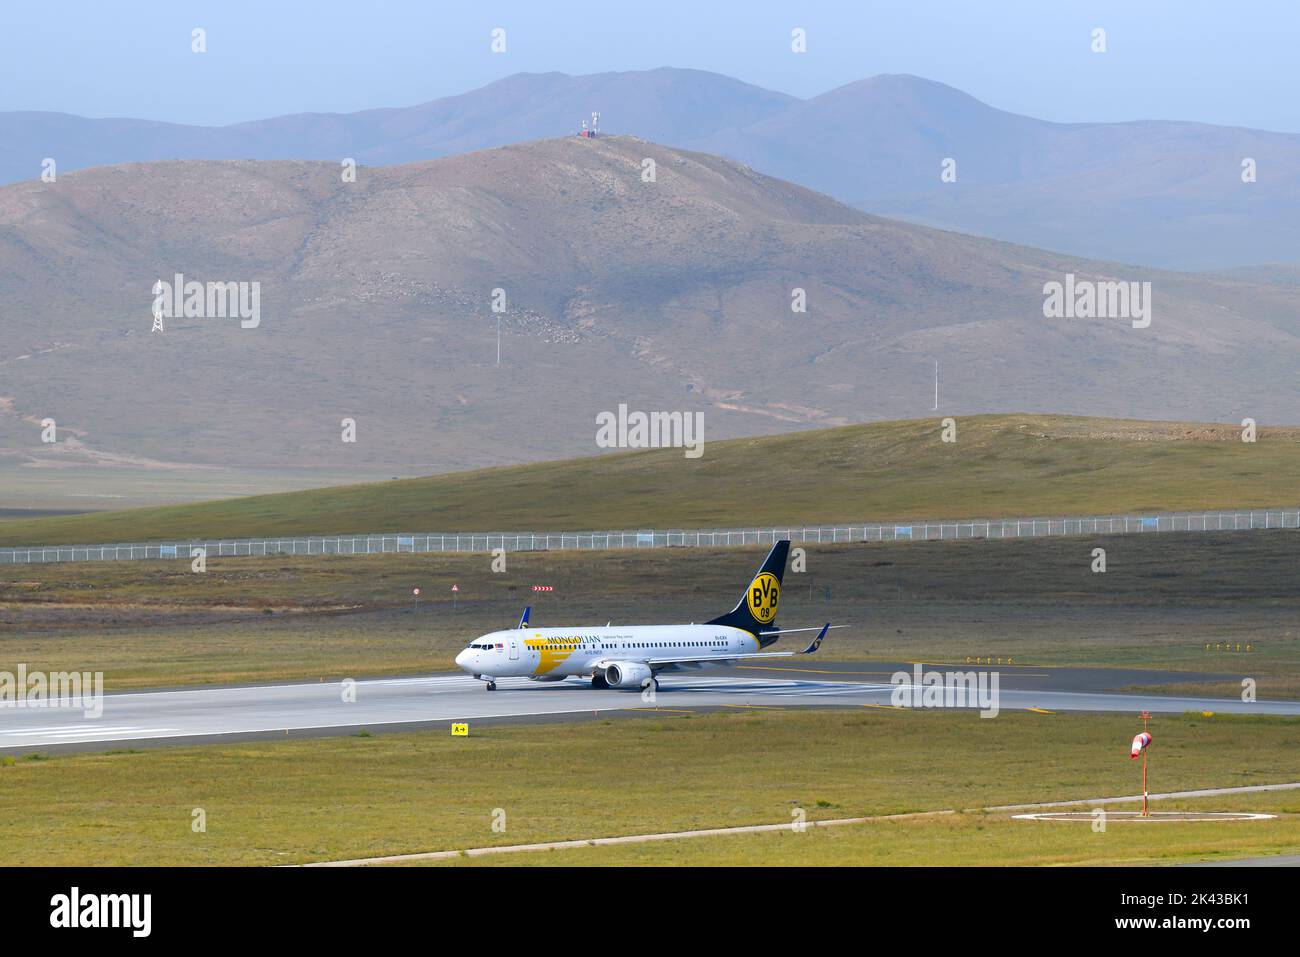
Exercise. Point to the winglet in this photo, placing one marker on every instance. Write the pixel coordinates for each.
(817, 642)
(523, 621)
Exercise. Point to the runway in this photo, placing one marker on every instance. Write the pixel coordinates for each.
(195, 715)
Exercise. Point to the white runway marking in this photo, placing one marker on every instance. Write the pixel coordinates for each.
(62, 728)
(761, 828)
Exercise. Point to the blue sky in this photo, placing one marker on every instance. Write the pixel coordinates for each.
(1166, 59)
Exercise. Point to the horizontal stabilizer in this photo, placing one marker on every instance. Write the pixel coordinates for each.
(817, 642)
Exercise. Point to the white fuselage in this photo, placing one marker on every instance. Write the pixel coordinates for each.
(556, 653)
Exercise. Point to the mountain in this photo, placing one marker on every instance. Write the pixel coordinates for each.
(376, 305)
(1167, 194)
(1161, 193)
(664, 105)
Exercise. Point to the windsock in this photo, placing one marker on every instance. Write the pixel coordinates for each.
(1140, 743)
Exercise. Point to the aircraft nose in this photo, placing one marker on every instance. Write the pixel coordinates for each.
(462, 660)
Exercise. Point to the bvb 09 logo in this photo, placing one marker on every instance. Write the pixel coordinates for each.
(763, 594)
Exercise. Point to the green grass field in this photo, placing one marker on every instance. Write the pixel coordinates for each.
(420, 791)
(1000, 465)
(961, 840)
(1161, 601)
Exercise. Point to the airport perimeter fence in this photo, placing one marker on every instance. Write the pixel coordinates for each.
(901, 531)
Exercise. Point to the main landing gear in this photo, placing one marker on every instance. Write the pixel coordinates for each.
(598, 681)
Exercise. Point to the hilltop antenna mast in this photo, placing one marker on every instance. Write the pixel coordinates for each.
(595, 123)
(157, 308)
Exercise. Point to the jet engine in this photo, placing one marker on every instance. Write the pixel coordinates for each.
(627, 674)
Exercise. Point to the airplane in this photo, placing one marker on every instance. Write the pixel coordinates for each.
(632, 656)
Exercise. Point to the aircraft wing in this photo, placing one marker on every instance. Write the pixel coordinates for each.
(715, 659)
(669, 661)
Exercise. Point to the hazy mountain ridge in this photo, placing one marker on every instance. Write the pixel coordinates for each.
(674, 295)
(1165, 193)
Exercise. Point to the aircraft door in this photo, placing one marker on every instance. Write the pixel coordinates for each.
(514, 650)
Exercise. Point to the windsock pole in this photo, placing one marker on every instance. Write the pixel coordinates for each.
(1146, 718)
(1144, 782)
(1141, 742)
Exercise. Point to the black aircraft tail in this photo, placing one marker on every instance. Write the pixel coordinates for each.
(756, 611)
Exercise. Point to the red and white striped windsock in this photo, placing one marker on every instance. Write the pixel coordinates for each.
(1140, 743)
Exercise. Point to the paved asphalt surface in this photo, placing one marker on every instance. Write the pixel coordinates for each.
(194, 715)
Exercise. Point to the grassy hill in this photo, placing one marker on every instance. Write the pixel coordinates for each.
(1000, 465)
